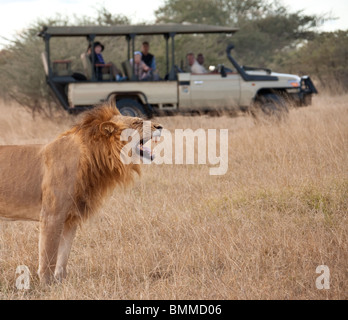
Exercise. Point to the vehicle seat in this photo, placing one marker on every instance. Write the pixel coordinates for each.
(45, 62)
(60, 67)
(127, 69)
(87, 66)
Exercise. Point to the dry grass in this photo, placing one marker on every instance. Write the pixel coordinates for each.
(258, 232)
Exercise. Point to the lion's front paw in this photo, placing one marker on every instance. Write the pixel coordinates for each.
(60, 274)
(46, 278)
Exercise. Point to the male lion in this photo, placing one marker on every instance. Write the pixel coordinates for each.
(62, 183)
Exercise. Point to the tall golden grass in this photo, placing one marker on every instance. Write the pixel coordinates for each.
(257, 232)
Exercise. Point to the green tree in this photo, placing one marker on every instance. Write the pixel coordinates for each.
(326, 57)
(203, 11)
(265, 28)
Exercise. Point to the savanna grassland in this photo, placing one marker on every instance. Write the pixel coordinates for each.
(257, 232)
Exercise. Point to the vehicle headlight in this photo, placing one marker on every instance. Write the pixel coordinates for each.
(294, 83)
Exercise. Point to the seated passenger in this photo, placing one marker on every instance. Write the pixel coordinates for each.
(147, 57)
(98, 60)
(150, 60)
(194, 66)
(141, 70)
(200, 59)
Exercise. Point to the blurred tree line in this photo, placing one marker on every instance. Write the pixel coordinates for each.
(269, 35)
(22, 75)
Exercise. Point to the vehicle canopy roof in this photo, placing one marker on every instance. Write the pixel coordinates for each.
(124, 30)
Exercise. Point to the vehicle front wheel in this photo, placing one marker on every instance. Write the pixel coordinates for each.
(271, 105)
(130, 108)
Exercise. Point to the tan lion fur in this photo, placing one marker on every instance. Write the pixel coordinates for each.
(64, 182)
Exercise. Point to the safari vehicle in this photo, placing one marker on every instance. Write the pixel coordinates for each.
(223, 88)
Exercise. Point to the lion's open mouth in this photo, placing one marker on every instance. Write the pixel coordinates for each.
(144, 146)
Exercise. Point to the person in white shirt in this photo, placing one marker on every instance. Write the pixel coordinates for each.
(194, 66)
(141, 70)
(200, 59)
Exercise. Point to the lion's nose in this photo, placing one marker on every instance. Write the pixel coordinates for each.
(158, 127)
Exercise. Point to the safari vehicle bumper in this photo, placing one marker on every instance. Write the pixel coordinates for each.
(307, 90)
(302, 96)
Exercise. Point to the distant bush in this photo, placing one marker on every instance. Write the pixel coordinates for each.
(325, 57)
(21, 73)
(21, 70)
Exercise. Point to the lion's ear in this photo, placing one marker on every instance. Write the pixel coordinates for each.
(107, 127)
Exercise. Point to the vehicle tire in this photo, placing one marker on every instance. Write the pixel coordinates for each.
(130, 108)
(272, 106)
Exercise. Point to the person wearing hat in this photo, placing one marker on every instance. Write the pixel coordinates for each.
(99, 60)
(141, 70)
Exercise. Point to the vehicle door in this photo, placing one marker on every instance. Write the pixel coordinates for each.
(212, 90)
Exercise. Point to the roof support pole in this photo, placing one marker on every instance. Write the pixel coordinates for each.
(166, 36)
(90, 39)
(132, 37)
(128, 46)
(172, 75)
(47, 38)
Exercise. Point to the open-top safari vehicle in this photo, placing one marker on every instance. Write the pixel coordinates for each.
(223, 88)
